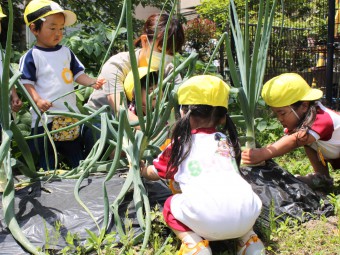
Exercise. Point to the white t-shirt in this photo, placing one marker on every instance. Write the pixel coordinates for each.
(216, 202)
(114, 71)
(51, 71)
(326, 131)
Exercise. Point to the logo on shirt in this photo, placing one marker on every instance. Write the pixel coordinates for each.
(67, 75)
(194, 168)
(223, 147)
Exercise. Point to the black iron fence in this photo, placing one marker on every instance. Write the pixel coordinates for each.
(309, 44)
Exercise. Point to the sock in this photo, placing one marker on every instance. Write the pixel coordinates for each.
(191, 239)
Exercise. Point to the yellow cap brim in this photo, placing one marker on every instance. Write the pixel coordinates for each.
(287, 89)
(70, 17)
(313, 94)
(129, 84)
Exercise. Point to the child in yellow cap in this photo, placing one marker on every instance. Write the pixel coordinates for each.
(129, 87)
(49, 71)
(306, 123)
(16, 103)
(146, 78)
(215, 202)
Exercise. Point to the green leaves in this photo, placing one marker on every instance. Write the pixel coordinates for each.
(92, 46)
(248, 73)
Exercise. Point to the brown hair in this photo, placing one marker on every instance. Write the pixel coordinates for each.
(158, 22)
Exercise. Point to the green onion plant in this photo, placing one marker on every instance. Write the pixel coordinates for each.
(117, 136)
(247, 69)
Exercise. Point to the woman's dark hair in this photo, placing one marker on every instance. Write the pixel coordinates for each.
(181, 134)
(158, 22)
(307, 120)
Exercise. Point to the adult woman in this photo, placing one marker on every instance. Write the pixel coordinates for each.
(118, 66)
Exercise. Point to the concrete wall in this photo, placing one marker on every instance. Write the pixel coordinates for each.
(187, 8)
(143, 13)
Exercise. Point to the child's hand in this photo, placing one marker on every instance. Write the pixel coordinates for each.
(99, 83)
(251, 156)
(142, 166)
(43, 105)
(16, 103)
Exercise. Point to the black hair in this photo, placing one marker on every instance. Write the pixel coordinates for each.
(181, 133)
(307, 120)
(37, 24)
(153, 79)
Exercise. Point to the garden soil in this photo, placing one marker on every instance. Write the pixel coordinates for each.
(39, 206)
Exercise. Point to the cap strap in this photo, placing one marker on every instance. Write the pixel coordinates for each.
(297, 116)
(38, 13)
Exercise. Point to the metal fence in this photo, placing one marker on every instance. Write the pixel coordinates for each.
(308, 44)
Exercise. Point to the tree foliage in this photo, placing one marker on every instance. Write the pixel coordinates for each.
(218, 11)
(106, 12)
(198, 34)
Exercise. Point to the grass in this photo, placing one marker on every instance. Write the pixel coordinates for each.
(315, 237)
(319, 236)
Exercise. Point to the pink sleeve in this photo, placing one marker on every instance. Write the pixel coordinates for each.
(323, 125)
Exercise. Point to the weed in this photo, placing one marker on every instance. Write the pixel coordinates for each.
(162, 239)
(335, 201)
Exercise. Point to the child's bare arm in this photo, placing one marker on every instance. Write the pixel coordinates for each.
(86, 80)
(42, 104)
(279, 148)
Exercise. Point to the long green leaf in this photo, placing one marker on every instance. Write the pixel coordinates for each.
(9, 194)
(25, 150)
(115, 163)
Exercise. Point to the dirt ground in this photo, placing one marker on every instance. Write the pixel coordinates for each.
(331, 225)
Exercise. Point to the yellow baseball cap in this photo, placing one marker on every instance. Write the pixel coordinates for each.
(287, 89)
(129, 84)
(38, 9)
(2, 15)
(204, 89)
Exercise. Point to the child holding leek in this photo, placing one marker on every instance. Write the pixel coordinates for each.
(212, 200)
(306, 122)
(48, 72)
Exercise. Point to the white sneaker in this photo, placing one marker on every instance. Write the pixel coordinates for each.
(201, 248)
(253, 246)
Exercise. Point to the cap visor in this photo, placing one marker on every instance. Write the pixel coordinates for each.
(314, 94)
(70, 18)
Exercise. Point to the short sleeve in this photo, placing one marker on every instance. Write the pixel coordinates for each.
(323, 125)
(161, 163)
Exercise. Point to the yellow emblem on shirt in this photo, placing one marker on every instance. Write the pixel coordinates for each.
(67, 75)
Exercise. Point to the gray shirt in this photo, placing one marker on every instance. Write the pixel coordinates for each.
(114, 71)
